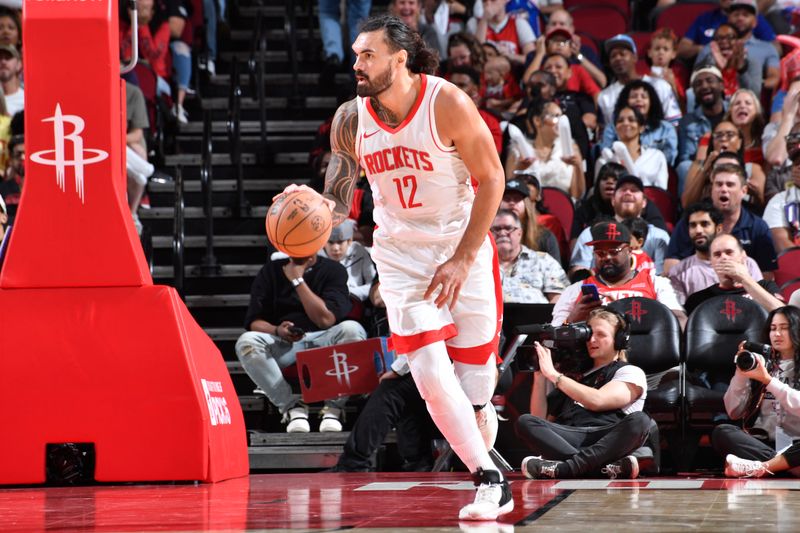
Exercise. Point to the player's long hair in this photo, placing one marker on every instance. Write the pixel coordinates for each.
(421, 59)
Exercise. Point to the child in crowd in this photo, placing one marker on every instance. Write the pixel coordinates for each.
(499, 89)
(354, 257)
(639, 258)
(662, 52)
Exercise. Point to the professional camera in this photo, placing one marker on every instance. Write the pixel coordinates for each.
(748, 359)
(567, 345)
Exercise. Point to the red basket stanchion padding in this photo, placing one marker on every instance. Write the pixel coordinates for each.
(92, 351)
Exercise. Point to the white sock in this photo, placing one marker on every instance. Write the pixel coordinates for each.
(448, 405)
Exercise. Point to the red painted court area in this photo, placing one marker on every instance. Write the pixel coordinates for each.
(336, 501)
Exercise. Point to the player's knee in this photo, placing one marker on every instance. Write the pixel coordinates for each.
(350, 331)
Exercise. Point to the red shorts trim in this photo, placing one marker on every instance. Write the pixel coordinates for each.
(475, 355)
(404, 344)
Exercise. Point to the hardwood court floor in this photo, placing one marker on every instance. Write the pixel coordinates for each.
(404, 502)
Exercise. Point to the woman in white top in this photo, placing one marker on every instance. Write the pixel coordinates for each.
(777, 413)
(548, 163)
(648, 164)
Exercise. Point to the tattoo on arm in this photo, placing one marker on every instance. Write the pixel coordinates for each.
(343, 170)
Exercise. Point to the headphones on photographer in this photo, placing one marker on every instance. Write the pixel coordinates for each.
(622, 336)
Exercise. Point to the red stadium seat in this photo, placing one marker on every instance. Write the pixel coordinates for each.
(789, 287)
(601, 22)
(622, 5)
(680, 16)
(666, 203)
(642, 40)
(560, 206)
(788, 265)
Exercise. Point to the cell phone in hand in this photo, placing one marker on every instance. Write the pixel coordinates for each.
(296, 331)
(591, 290)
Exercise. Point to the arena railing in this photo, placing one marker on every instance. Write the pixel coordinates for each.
(208, 266)
(295, 99)
(235, 138)
(258, 50)
(178, 235)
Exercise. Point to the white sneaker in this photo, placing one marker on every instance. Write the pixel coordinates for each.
(211, 67)
(180, 114)
(330, 420)
(492, 499)
(487, 424)
(297, 418)
(738, 467)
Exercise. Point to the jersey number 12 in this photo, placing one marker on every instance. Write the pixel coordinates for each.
(406, 190)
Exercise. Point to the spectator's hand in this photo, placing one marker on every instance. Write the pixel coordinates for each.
(450, 277)
(583, 307)
(541, 48)
(738, 58)
(708, 164)
(759, 373)
(375, 296)
(295, 268)
(391, 374)
(716, 54)
(732, 270)
(525, 162)
(456, 7)
(283, 332)
(493, 102)
(573, 160)
(294, 187)
(790, 102)
(575, 45)
(545, 362)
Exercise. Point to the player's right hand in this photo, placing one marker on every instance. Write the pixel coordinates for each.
(293, 187)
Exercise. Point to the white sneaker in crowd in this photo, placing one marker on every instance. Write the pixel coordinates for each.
(331, 420)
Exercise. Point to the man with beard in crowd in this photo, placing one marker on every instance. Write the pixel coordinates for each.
(708, 89)
(695, 273)
(628, 201)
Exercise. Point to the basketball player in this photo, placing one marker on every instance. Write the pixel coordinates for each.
(420, 139)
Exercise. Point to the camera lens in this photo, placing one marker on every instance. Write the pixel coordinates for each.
(746, 361)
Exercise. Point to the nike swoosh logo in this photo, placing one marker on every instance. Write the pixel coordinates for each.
(368, 135)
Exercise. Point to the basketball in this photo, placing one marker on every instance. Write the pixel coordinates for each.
(299, 223)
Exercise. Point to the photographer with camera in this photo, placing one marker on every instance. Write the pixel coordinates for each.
(295, 304)
(766, 387)
(593, 422)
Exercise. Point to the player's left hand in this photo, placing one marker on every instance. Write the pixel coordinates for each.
(450, 276)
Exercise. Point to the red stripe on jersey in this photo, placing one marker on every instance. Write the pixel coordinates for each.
(417, 103)
(408, 343)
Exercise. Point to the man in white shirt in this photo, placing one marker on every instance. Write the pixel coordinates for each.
(622, 56)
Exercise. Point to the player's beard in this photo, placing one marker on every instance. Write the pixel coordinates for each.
(374, 87)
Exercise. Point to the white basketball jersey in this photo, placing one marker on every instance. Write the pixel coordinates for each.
(421, 188)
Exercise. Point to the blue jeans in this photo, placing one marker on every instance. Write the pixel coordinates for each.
(331, 29)
(263, 356)
(213, 10)
(182, 61)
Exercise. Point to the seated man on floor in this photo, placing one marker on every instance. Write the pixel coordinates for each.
(396, 403)
(592, 421)
(295, 304)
